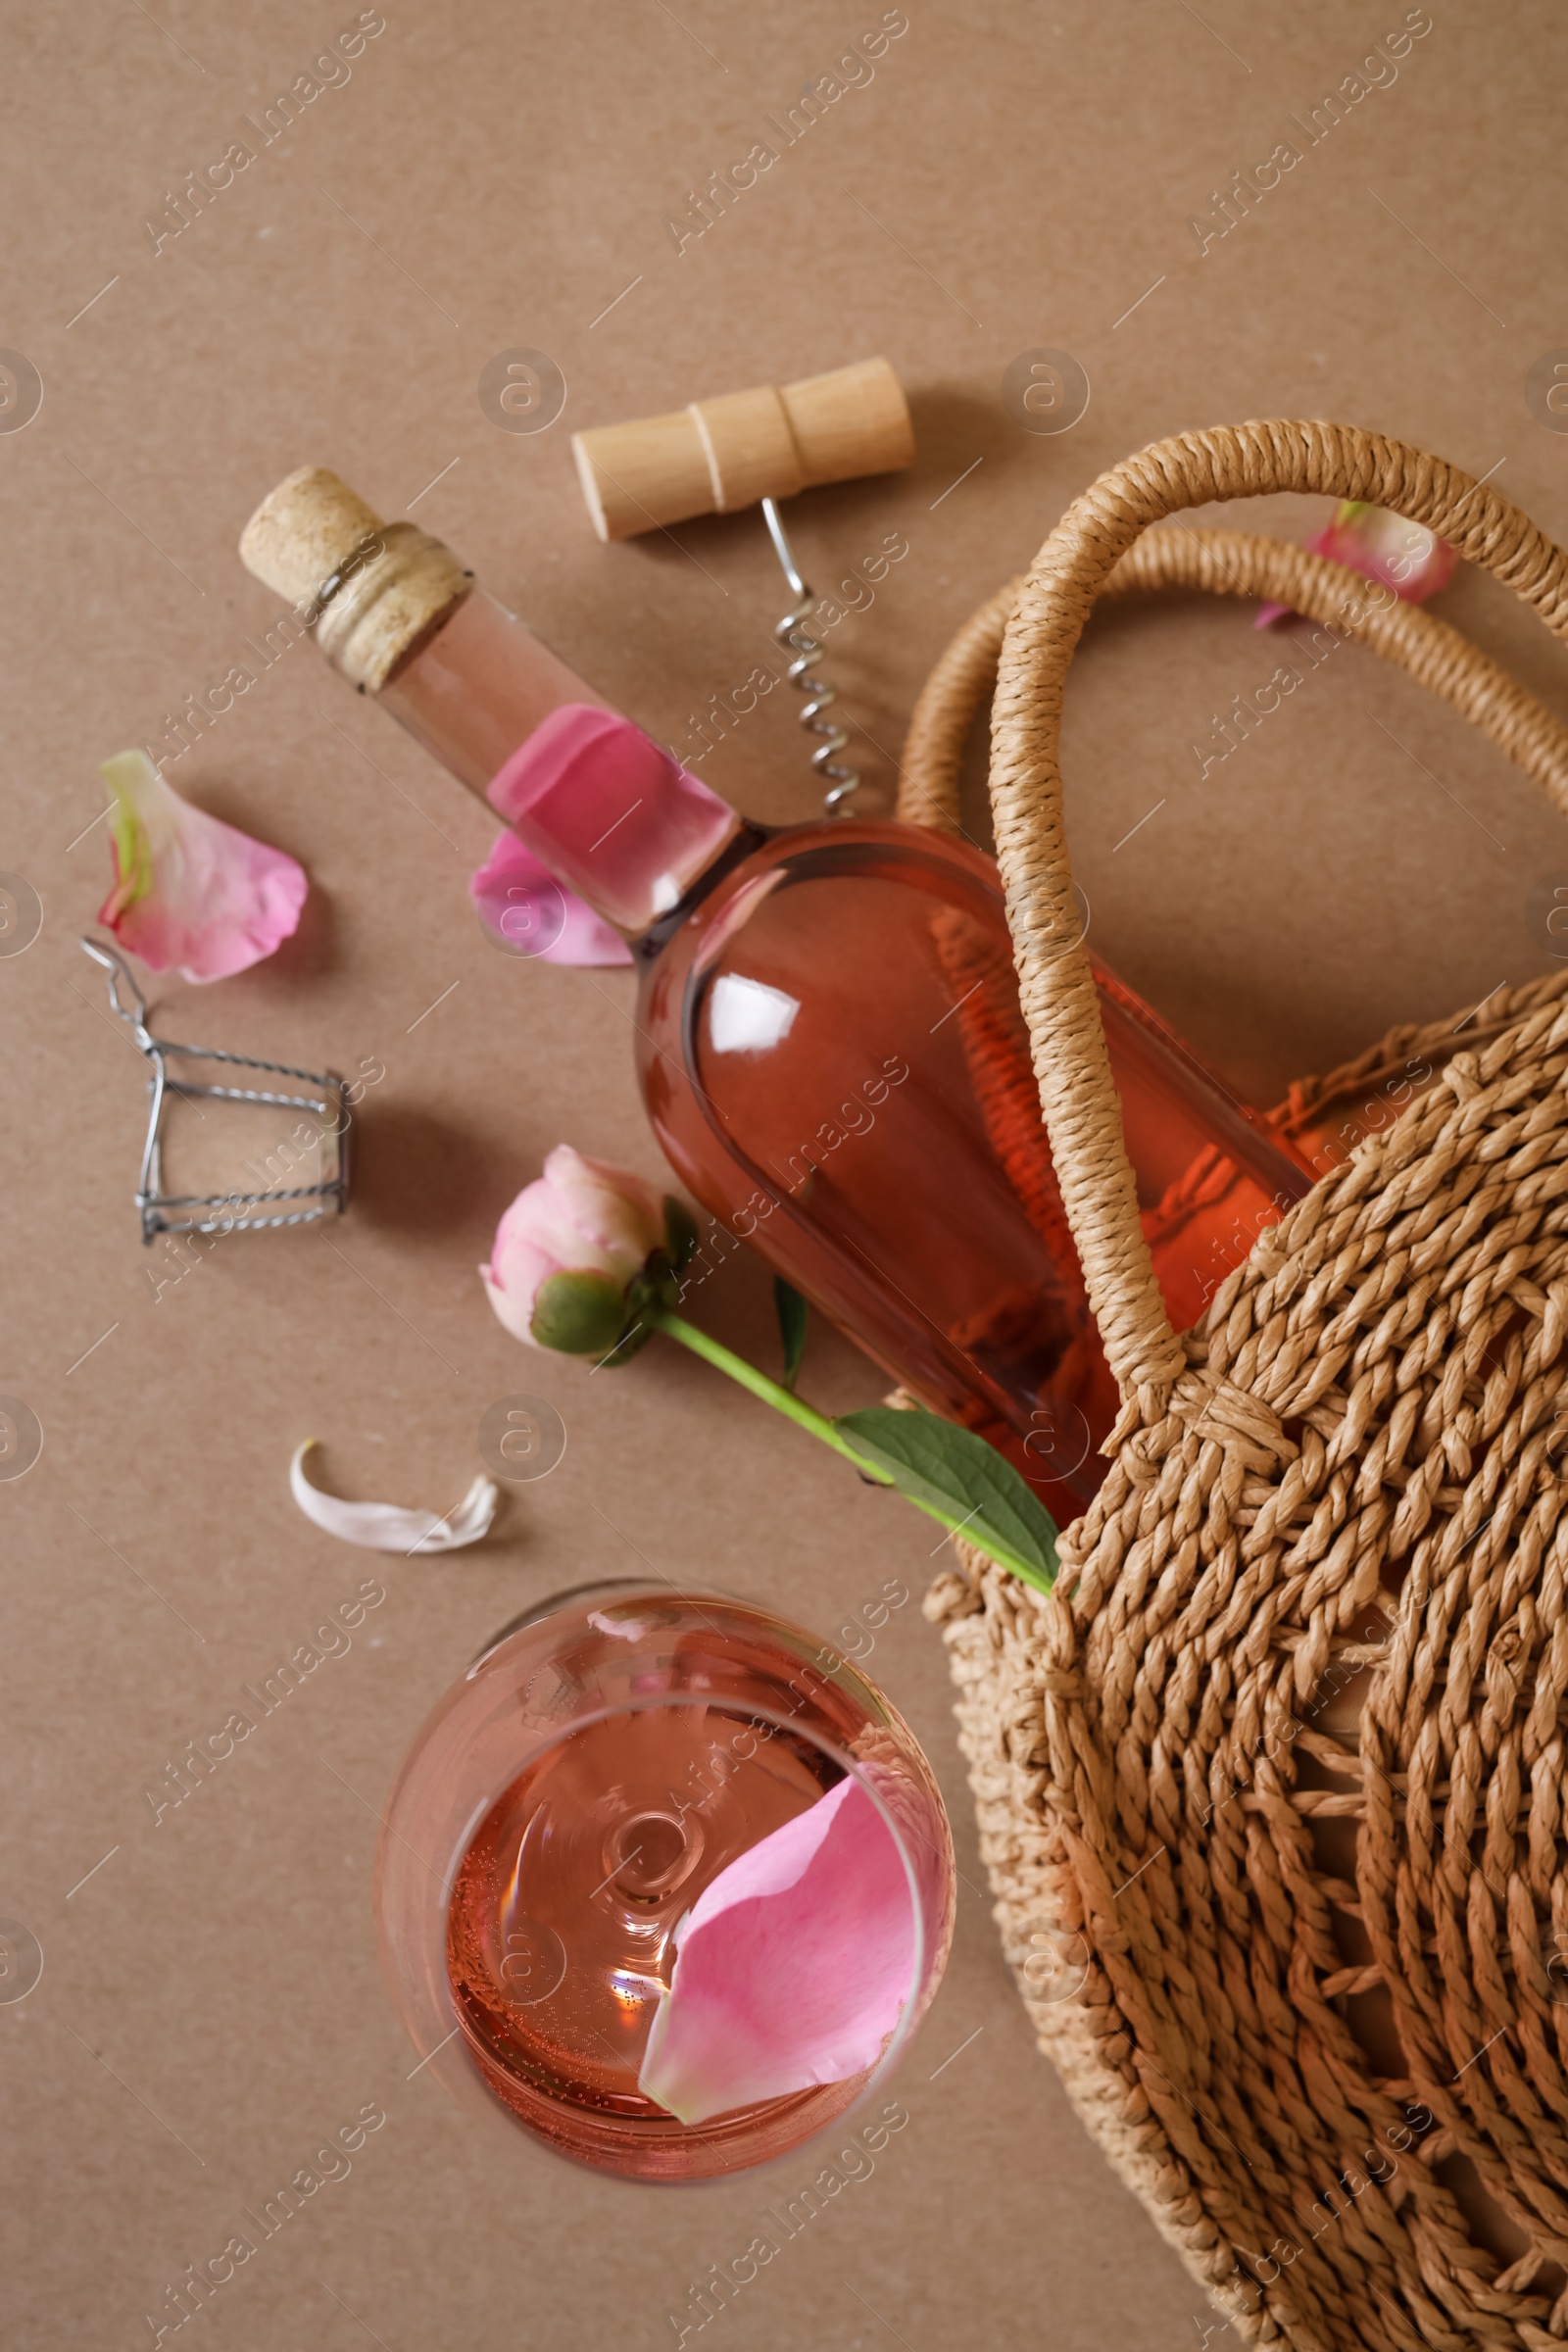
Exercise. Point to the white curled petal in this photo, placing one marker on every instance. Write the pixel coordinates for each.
(386, 1525)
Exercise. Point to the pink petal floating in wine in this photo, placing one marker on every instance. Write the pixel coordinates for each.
(525, 909)
(792, 1965)
(192, 893)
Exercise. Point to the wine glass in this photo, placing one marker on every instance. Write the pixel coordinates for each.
(603, 1759)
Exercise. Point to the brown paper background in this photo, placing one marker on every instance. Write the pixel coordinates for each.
(1013, 176)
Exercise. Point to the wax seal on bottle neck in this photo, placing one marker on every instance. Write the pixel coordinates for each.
(370, 592)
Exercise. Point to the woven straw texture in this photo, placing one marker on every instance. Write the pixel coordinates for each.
(1270, 1789)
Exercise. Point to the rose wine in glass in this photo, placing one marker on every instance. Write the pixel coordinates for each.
(564, 1809)
(830, 1044)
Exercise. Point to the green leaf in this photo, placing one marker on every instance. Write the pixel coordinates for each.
(581, 1315)
(962, 1480)
(793, 1315)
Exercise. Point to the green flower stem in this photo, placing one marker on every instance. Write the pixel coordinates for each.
(783, 1400)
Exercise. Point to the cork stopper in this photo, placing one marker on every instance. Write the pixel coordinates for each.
(303, 531)
(370, 591)
(716, 456)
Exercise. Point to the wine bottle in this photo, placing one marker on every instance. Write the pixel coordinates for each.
(829, 1040)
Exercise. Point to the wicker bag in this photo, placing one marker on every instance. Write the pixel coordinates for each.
(1271, 1789)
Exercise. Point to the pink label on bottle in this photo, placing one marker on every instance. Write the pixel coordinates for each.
(621, 821)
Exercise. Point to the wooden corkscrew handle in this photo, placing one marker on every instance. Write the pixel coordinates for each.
(715, 457)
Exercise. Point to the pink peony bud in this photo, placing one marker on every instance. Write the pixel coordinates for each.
(1405, 556)
(191, 893)
(571, 1248)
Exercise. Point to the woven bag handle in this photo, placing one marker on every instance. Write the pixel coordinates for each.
(1056, 988)
(1231, 564)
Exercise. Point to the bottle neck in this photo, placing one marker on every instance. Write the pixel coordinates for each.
(614, 817)
(611, 814)
(746, 838)
(385, 595)
(473, 686)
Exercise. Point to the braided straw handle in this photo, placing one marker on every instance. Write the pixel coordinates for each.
(1056, 986)
(1231, 564)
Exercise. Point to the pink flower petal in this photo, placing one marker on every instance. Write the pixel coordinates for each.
(1381, 546)
(613, 1208)
(525, 909)
(1408, 557)
(191, 893)
(792, 1968)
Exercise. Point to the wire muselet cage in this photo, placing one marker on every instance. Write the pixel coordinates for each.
(323, 1098)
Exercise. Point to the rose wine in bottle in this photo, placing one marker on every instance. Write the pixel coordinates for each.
(830, 1044)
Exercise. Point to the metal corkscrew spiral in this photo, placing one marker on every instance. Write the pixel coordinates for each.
(793, 635)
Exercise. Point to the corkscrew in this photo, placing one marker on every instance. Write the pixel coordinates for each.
(718, 455)
(796, 639)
